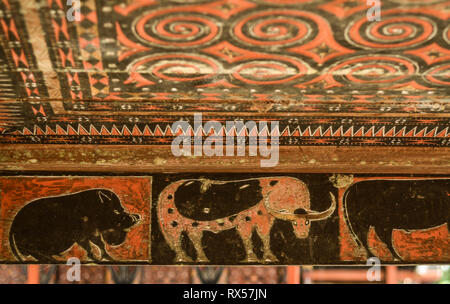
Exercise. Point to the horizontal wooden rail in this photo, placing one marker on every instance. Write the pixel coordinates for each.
(156, 159)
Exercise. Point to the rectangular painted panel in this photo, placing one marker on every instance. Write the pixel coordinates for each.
(95, 219)
(230, 219)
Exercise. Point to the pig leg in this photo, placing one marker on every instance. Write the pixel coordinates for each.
(360, 232)
(196, 238)
(87, 247)
(385, 236)
(97, 241)
(42, 258)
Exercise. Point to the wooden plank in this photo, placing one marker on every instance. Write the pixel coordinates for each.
(158, 159)
(231, 219)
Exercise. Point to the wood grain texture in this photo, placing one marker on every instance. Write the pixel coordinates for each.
(160, 159)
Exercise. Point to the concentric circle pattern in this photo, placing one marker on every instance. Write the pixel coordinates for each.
(374, 70)
(269, 71)
(176, 67)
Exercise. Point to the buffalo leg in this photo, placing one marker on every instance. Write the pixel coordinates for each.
(196, 238)
(385, 236)
(175, 244)
(264, 234)
(246, 235)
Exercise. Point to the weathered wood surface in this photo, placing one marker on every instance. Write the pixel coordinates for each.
(225, 219)
(99, 97)
(128, 70)
(159, 159)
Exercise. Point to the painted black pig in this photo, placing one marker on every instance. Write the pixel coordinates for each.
(49, 226)
(396, 204)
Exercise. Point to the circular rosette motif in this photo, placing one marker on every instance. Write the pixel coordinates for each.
(439, 75)
(276, 28)
(175, 67)
(270, 70)
(175, 28)
(393, 31)
(374, 71)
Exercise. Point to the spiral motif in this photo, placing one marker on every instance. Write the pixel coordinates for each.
(374, 70)
(272, 70)
(175, 67)
(277, 28)
(439, 75)
(176, 29)
(447, 34)
(391, 32)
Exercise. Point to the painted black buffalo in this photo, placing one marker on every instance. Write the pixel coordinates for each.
(396, 204)
(49, 226)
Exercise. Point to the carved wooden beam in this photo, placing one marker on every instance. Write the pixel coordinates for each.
(224, 132)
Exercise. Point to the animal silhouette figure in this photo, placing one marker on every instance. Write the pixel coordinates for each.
(395, 204)
(284, 198)
(47, 227)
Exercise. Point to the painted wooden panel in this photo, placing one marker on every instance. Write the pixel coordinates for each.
(101, 95)
(243, 219)
(50, 219)
(128, 69)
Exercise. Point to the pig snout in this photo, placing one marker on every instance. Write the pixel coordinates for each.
(129, 220)
(136, 218)
(123, 224)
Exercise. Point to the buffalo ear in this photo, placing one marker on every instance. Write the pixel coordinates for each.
(300, 211)
(102, 196)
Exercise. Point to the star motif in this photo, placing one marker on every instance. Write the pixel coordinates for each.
(227, 8)
(228, 52)
(321, 49)
(350, 4)
(432, 53)
(344, 8)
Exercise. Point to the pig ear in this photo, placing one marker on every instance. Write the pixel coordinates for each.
(102, 196)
